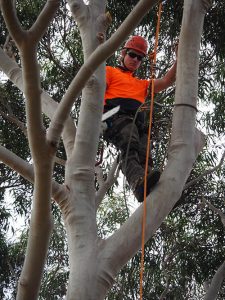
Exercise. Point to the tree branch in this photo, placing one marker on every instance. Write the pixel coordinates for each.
(164, 293)
(13, 24)
(186, 142)
(27, 44)
(23, 128)
(78, 8)
(105, 186)
(49, 106)
(59, 192)
(216, 210)
(45, 17)
(217, 280)
(16, 163)
(97, 57)
(207, 172)
(10, 117)
(42, 154)
(11, 186)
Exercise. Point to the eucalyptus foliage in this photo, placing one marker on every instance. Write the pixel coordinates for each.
(189, 247)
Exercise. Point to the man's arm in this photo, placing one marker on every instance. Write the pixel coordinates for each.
(166, 81)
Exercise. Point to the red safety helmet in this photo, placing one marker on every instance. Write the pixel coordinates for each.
(138, 43)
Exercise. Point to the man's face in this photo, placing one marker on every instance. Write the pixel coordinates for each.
(132, 59)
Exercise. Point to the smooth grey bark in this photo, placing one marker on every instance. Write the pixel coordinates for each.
(104, 259)
(215, 285)
(59, 192)
(49, 106)
(26, 42)
(186, 142)
(219, 277)
(42, 152)
(94, 263)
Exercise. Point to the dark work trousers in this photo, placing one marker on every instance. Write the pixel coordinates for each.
(121, 129)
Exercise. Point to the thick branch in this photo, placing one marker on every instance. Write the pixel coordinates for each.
(38, 242)
(158, 205)
(91, 20)
(45, 17)
(42, 154)
(10, 117)
(186, 142)
(49, 106)
(23, 128)
(27, 44)
(40, 229)
(16, 163)
(59, 192)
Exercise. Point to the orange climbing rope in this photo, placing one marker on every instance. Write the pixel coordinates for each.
(148, 148)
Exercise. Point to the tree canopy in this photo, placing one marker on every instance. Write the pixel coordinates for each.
(188, 248)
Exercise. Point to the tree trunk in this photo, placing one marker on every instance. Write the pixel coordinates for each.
(94, 262)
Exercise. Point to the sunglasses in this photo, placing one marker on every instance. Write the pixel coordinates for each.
(133, 55)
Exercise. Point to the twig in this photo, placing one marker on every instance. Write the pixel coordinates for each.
(164, 293)
(207, 172)
(112, 176)
(216, 210)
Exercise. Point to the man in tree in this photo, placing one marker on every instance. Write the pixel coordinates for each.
(130, 92)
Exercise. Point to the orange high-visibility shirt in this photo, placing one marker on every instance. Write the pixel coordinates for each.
(122, 84)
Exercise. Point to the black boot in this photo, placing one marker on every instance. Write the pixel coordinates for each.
(138, 187)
